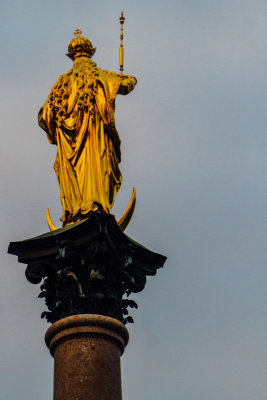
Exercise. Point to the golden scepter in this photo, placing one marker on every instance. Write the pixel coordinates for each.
(121, 46)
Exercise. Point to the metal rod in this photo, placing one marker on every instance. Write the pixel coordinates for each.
(121, 46)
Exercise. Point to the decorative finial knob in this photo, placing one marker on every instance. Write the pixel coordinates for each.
(78, 32)
(122, 18)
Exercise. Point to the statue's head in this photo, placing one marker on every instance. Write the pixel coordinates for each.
(80, 46)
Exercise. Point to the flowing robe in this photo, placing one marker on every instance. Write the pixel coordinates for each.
(79, 118)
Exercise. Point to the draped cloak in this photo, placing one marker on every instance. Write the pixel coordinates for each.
(79, 118)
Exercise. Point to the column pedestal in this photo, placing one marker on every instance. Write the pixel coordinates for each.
(86, 350)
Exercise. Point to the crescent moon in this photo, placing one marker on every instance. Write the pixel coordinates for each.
(49, 221)
(123, 222)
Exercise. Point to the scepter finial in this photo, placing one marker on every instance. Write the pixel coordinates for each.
(122, 18)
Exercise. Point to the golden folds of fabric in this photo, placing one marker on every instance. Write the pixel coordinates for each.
(79, 118)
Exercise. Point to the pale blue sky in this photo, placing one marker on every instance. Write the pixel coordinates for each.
(194, 145)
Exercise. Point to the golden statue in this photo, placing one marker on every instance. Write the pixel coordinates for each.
(78, 117)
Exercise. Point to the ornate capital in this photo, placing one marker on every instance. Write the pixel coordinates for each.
(90, 267)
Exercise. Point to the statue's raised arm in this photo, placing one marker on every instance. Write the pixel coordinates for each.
(79, 117)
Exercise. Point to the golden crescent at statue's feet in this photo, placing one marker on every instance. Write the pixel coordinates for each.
(123, 222)
(52, 227)
(128, 213)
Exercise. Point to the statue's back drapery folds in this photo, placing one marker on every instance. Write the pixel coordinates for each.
(78, 117)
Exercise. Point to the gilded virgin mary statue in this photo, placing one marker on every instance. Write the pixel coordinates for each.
(78, 117)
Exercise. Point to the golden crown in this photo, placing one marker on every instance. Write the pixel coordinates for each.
(80, 46)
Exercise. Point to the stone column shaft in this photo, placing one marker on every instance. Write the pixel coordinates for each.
(86, 350)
